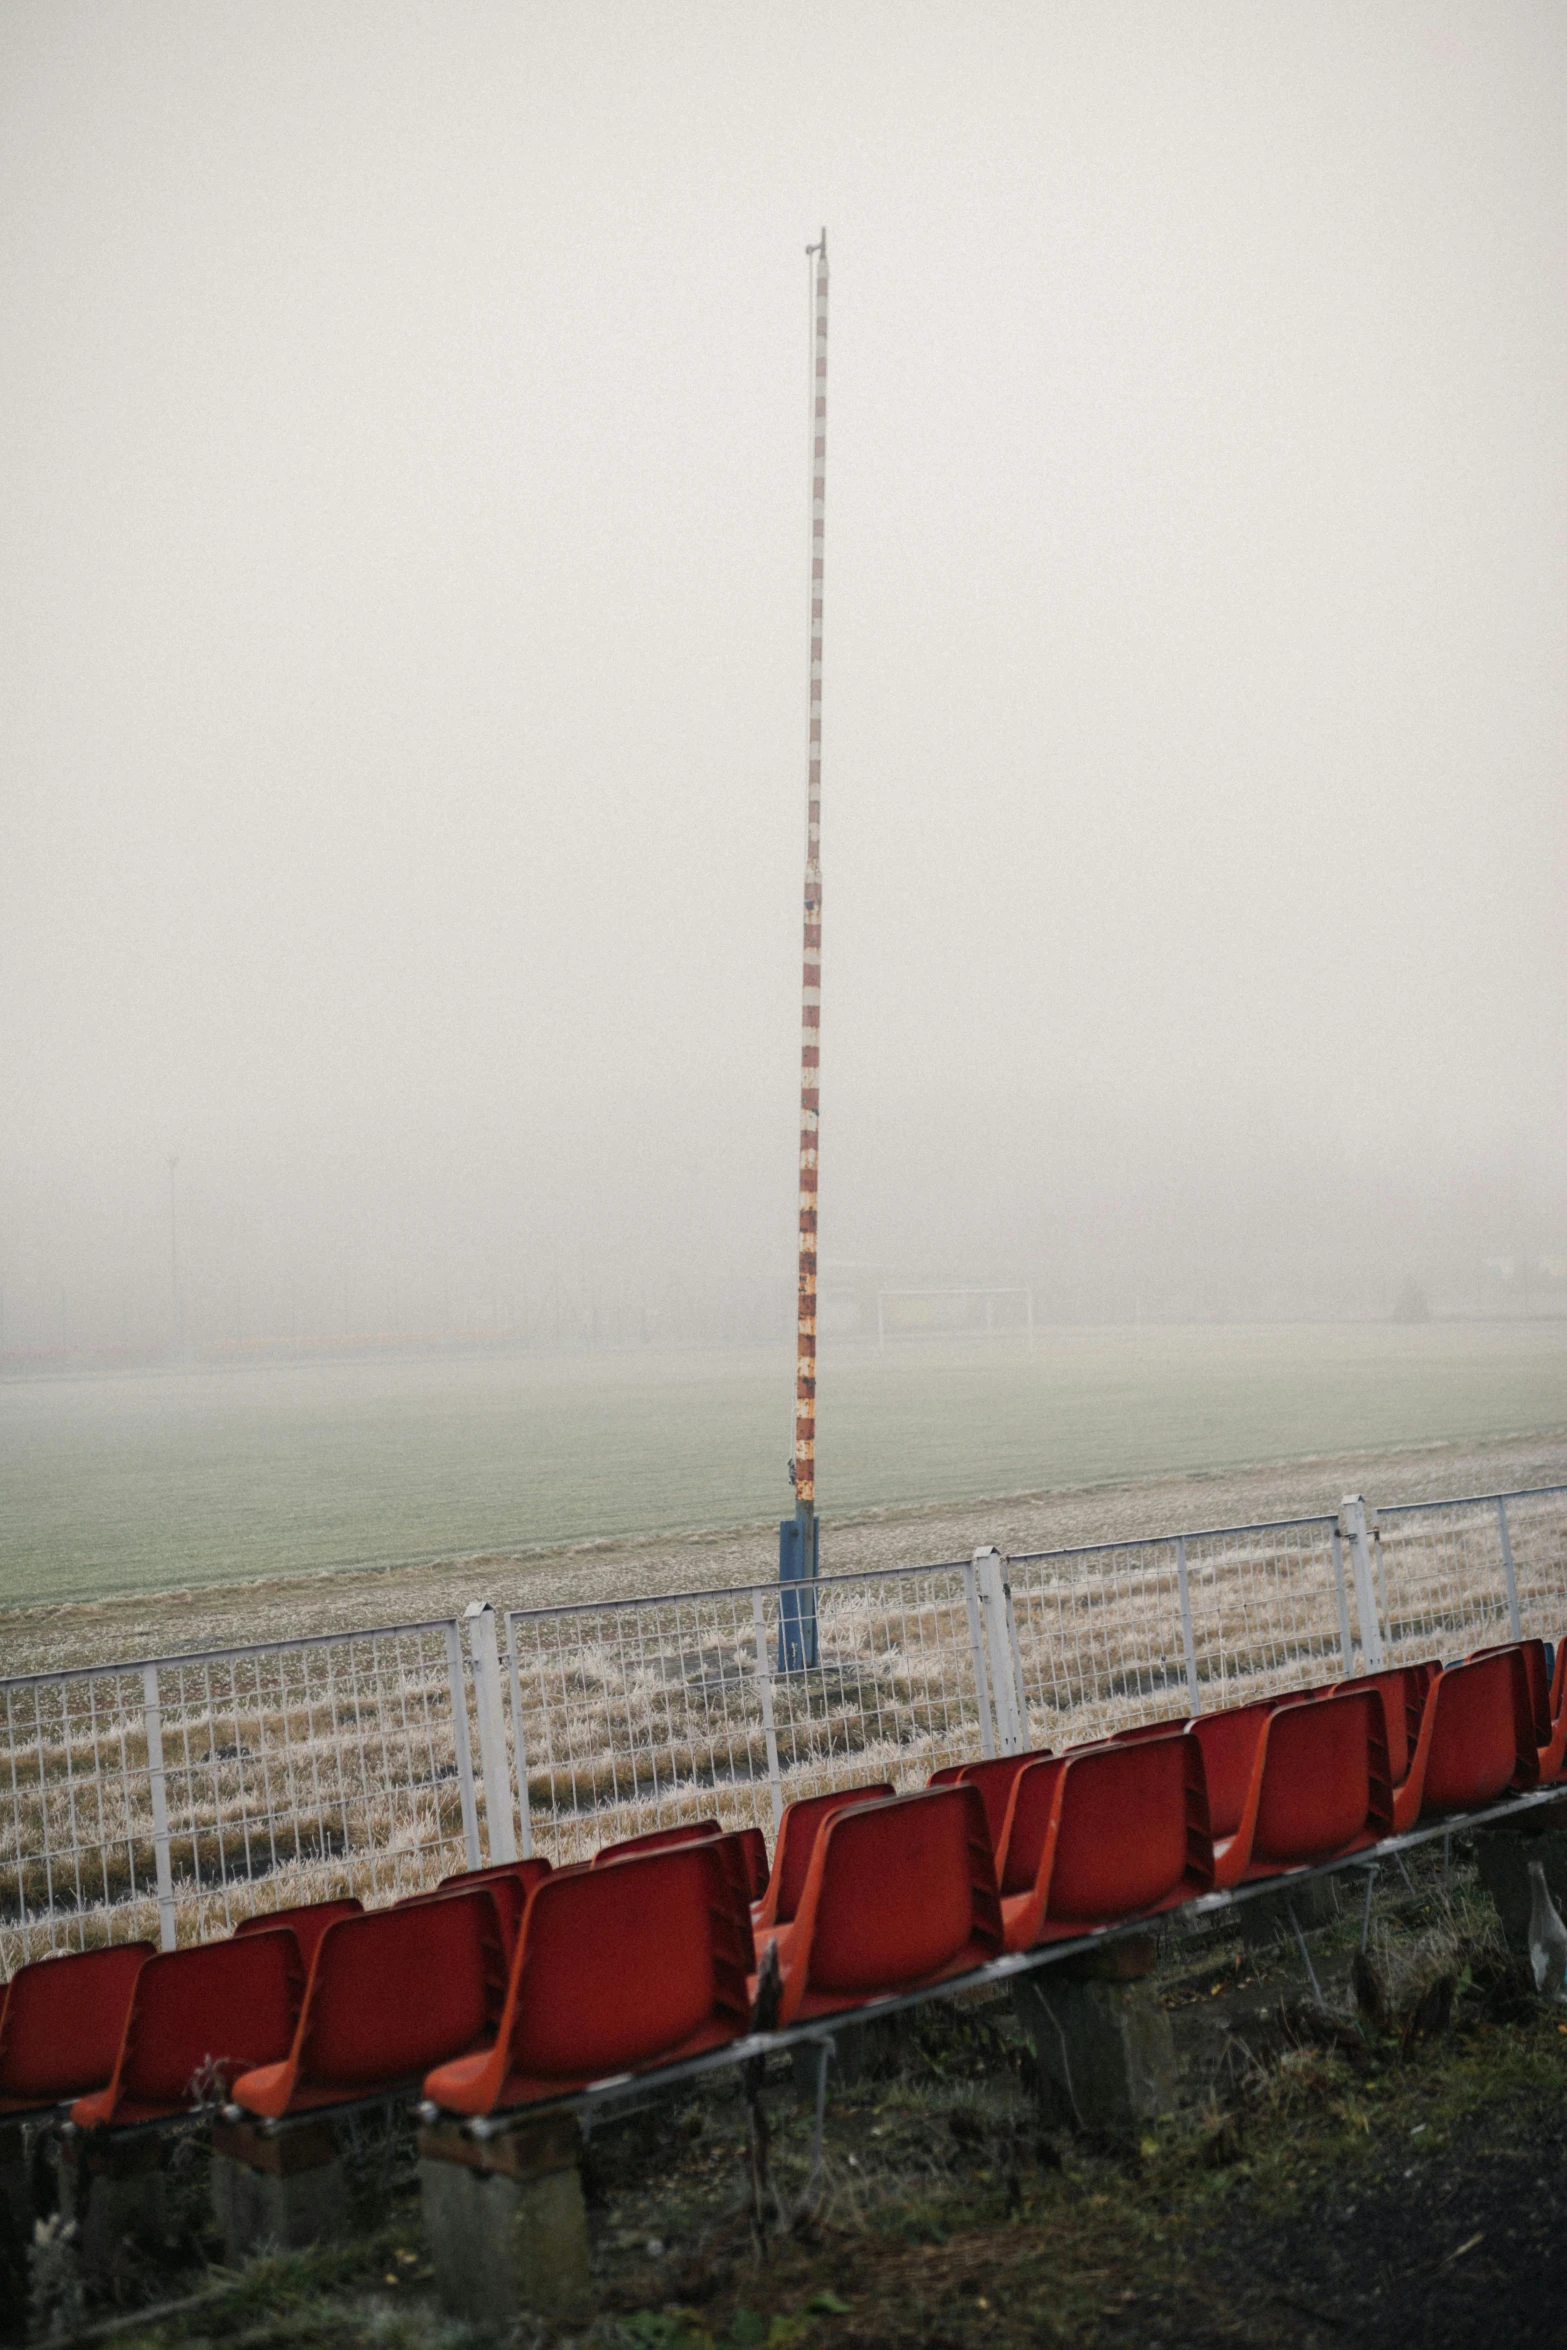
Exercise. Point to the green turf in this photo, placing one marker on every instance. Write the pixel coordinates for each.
(139, 1483)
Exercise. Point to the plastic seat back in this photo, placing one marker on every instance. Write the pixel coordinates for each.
(1229, 1741)
(994, 1779)
(656, 1840)
(1170, 1727)
(1133, 1832)
(899, 1893)
(797, 1840)
(1402, 1690)
(399, 1990)
(752, 1846)
(1325, 1785)
(618, 1968)
(198, 2018)
(1536, 1673)
(307, 1922)
(61, 2024)
(1482, 1735)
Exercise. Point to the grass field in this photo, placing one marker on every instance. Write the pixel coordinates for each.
(155, 1482)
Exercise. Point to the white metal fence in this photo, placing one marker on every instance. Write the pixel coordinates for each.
(172, 1796)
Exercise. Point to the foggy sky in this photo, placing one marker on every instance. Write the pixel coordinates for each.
(402, 642)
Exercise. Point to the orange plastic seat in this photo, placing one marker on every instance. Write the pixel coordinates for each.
(994, 1780)
(508, 1883)
(1171, 1727)
(634, 1965)
(61, 2024)
(1535, 1673)
(899, 1894)
(1229, 1740)
(1476, 1740)
(655, 1840)
(1103, 1835)
(391, 1993)
(197, 2018)
(797, 1834)
(1320, 1788)
(307, 1922)
(1402, 1689)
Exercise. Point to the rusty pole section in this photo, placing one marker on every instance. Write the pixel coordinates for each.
(811, 984)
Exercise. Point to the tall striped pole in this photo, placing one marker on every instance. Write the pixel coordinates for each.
(811, 976)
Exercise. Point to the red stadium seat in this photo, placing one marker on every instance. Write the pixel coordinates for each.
(1402, 1689)
(1229, 1740)
(61, 2024)
(1169, 1728)
(796, 1842)
(1537, 1676)
(307, 1923)
(1103, 1835)
(1319, 1788)
(508, 1883)
(392, 1993)
(948, 1775)
(1476, 1740)
(197, 2018)
(634, 1965)
(994, 1780)
(899, 1894)
(656, 1839)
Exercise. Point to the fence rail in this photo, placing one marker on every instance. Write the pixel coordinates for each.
(172, 1796)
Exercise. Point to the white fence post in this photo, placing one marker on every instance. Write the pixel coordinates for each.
(152, 1714)
(1006, 1670)
(1183, 1588)
(1515, 1620)
(1346, 1638)
(456, 1681)
(764, 1683)
(976, 1649)
(519, 1750)
(485, 1652)
(1352, 1526)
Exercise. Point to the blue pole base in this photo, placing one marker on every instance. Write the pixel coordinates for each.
(799, 1563)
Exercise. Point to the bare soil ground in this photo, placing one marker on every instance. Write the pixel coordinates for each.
(37, 1639)
(1328, 2179)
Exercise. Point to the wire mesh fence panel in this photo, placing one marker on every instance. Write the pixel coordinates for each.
(1099, 1640)
(1268, 1609)
(895, 1691)
(78, 1863)
(1537, 1536)
(172, 1799)
(1126, 1633)
(641, 1714)
(1441, 1579)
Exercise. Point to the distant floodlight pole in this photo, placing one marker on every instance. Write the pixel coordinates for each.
(799, 1538)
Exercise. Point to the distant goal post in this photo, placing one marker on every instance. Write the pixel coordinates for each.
(954, 1313)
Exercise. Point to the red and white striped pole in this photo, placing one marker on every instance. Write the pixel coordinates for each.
(811, 986)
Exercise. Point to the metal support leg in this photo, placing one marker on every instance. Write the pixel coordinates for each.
(1316, 1987)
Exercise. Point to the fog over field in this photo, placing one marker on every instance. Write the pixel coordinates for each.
(403, 669)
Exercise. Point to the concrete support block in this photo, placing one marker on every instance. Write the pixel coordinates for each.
(115, 2190)
(1502, 1857)
(1101, 2040)
(1265, 1918)
(285, 2188)
(505, 2222)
